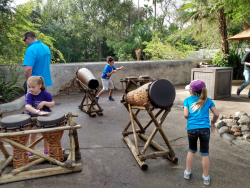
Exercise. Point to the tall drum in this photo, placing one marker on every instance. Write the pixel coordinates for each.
(130, 85)
(159, 93)
(16, 123)
(86, 77)
(54, 119)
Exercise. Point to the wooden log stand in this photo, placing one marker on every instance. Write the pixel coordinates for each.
(68, 166)
(93, 107)
(141, 156)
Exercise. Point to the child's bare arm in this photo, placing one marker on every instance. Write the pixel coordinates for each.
(216, 114)
(45, 103)
(32, 110)
(186, 113)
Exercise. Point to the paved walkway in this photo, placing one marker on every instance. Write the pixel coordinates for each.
(107, 161)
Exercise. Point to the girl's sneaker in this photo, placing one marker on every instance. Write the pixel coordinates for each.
(46, 152)
(187, 175)
(207, 180)
(30, 154)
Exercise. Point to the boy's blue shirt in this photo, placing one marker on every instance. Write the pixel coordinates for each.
(38, 56)
(107, 69)
(200, 118)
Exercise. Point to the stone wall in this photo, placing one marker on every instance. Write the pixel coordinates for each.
(176, 71)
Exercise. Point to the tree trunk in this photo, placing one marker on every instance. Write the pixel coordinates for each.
(138, 53)
(223, 31)
(99, 51)
(155, 8)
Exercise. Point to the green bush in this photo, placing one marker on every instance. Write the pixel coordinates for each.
(233, 59)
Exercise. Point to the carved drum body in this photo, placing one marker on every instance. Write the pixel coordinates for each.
(54, 138)
(159, 93)
(15, 123)
(86, 77)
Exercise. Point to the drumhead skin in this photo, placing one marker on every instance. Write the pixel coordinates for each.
(14, 121)
(51, 119)
(161, 93)
(131, 78)
(144, 77)
(93, 84)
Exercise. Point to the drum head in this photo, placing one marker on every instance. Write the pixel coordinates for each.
(93, 84)
(51, 119)
(14, 121)
(161, 93)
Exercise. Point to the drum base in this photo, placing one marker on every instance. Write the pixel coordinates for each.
(61, 168)
(140, 156)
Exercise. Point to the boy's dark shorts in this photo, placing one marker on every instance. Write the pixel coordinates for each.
(204, 136)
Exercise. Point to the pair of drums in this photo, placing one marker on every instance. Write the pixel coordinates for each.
(159, 93)
(23, 122)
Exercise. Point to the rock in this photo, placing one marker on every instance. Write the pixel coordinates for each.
(224, 129)
(244, 128)
(231, 124)
(236, 126)
(244, 120)
(239, 137)
(220, 124)
(242, 144)
(237, 134)
(245, 132)
(240, 113)
(240, 125)
(227, 120)
(228, 117)
(236, 118)
(234, 129)
(227, 136)
(221, 117)
(246, 136)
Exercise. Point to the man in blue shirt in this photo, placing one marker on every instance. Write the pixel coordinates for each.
(37, 58)
(106, 78)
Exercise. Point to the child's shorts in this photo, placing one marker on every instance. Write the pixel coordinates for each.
(204, 136)
(107, 84)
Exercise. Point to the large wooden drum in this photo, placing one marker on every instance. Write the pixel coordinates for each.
(159, 93)
(15, 123)
(54, 119)
(86, 77)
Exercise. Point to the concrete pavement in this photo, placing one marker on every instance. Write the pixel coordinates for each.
(107, 161)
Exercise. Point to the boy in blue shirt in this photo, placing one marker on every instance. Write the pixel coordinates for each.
(106, 78)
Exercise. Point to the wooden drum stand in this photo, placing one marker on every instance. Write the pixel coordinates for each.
(90, 94)
(68, 166)
(157, 94)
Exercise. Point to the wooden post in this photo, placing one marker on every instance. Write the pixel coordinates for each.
(39, 173)
(149, 140)
(6, 164)
(4, 150)
(54, 161)
(132, 148)
(154, 155)
(158, 113)
(134, 130)
(22, 168)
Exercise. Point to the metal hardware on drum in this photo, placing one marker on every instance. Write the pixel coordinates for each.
(52, 128)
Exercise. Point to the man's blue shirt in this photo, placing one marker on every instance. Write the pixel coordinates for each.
(200, 118)
(38, 56)
(106, 70)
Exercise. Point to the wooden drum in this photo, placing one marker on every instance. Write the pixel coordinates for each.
(54, 119)
(159, 93)
(15, 123)
(86, 77)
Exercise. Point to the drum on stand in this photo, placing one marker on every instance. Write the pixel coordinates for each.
(87, 78)
(54, 119)
(15, 123)
(159, 93)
